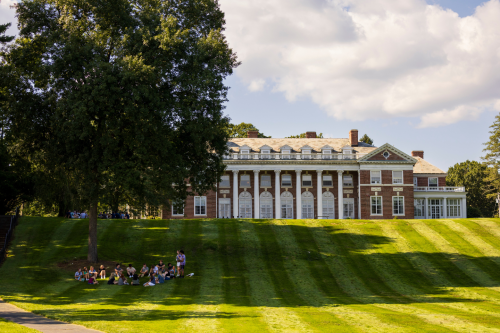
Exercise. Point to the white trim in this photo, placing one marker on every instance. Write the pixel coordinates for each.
(177, 214)
(381, 205)
(398, 196)
(371, 177)
(429, 181)
(402, 177)
(393, 185)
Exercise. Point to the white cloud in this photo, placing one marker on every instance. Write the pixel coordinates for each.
(7, 15)
(361, 59)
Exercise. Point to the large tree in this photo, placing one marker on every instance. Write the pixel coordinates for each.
(366, 139)
(127, 92)
(471, 175)
(492, 160)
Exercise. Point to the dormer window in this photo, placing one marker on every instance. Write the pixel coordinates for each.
(286, 154)
(245, 154)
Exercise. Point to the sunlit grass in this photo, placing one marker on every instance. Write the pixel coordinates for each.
(267, 275)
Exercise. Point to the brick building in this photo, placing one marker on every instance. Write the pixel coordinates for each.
(313, 178)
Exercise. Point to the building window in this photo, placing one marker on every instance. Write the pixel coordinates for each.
(375, 177)
(245, 154)
(453, 208)
(433, 182)
(178, 208)
(265, 154)
(225, 208)
(307, 205)
(348, 208)
(245, 181)
(265, 181)
(286, 205)
(266, 205)
(347, 180)
(224, 181)
(328, 206)
(327, 181)
(415, 181)
(397, 177)
(200, 206)
(245, 203)
(376, 203)
(419, 208)
(435, 208)
(398, 205)
(306, 181)
(286, 154)
(286, 181)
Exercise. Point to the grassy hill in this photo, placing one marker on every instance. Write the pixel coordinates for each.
(267, 275)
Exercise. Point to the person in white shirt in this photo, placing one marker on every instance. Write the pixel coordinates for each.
(83, 215)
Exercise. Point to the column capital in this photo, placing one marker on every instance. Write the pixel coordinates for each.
(299, 171)
(277, 171)
(256, 171)
(236, 171)
(340, 172)
(319, 171)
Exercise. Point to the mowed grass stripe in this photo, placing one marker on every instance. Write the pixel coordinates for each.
(202, 316)
(237, 301)
(277, 315)
(349, 273)
(465, 250)
(469, 298)
(313, 278)
(414, 285)
(485, 229)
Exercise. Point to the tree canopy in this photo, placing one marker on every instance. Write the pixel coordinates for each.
(303, 135)
(127, 92)
(492, 160)
(472, 175)
(240, 130)
(3, 38)
(366, 139)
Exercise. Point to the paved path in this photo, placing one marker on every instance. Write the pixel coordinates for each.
(31, 320)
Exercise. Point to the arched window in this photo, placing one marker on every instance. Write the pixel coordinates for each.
(307, 205)
(266, 205)
(328, 205)
(245, 202)
(286, 205)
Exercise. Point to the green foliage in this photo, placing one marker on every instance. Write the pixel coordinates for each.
(472, 175)
(5, 39)
(120, 92)
(303, 136)
(240, 130)
(492, 159)
(473, 212)
(366, 139)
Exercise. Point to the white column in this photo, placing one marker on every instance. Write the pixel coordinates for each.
(445, 206)
(277, 193)
(426, 208)
(256, 200)
(464, 208)
(341, 194)
(298, 194)
(235, 194)
(320, 193)
(359, 194)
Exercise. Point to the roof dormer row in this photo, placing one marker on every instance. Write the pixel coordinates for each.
(286, 149)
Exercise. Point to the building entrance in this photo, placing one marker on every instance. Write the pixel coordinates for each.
(224, 208)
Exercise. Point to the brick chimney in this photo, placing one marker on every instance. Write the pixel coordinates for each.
(353, 137)
(253, 134)
(311, 135)
(418, 153)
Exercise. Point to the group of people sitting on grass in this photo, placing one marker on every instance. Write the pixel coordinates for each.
(158, 273)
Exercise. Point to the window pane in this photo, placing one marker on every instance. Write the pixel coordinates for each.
(433, 182)
(286, 180)
(265, 180)
(398, 205)
(224, 181)
(415, 181)
(347, 180)
(327, 180)
(376, 205)
(245, 181)
(397, 177)
(375, 177)
(307, 180)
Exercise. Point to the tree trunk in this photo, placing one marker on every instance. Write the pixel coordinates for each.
(92, 254)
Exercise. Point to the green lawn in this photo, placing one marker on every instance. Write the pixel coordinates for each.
(267, 275)
(7, 326)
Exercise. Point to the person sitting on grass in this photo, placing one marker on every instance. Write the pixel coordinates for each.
(151, 281)
(102, 272)
(118, 270)
(171, 270)
(122, 280)
(78, 274)
(152, 270)
(135, 280)
(156, 269)
(93, 280)
(161, 266)
(85, 273)
(144, 270)
(130, 271)
(161, 278)
(112, 279)
(92, 272)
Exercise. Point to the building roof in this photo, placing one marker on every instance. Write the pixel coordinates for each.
(297, 144)
(422, 166)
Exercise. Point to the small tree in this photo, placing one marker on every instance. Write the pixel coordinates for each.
(492, 160)
(240, 130)
(471, 175)
(366, 139)
(127, 92)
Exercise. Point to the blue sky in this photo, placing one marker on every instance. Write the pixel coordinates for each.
(420, 75)
(276, 115)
